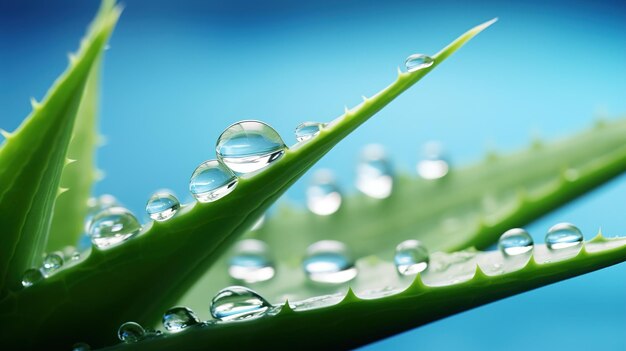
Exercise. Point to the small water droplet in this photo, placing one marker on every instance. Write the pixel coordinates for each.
(433, 165)
(323, 195)
(416, 62)
(237, 303)
(162, 206)
(515, 242)
(75, 256)
(211, 181)
(411, 257)
(52, 262)
(130, 332)
(308, 130)
(251, 262)
(113, 226)
(176, 319)
(329, 262)
(81, 346)
(374, 173)
(31, 276)
(249, 146)
(563, 235)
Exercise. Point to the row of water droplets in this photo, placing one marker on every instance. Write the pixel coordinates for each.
(244, 147)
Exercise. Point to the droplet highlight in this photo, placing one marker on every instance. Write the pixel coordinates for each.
(417, 62)
(433, 164)
(249, 146)
(176, 319)
(562, 236)
(113, 226)
(307, 130)
(95, 205)
(211, 181)
(374, 172)
(81, 346)
(323, 196)
(31, 277)
(411, 257)
(130, 332)
(251, 262)
(237, 303)
(515, 242)
(329, 262)
(162, 206)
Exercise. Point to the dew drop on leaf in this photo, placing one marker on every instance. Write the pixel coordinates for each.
(113, 226)
(130, 332)
(162, 206)
(307, 130)
(177, 319)
(515, 242)
(374, 173)
(31, 277)
(417, 62)
(249, 146)
(237, 303)
(433, 165)
(563, 235)
(52, 262)
(211, 181)
(411, 257)
(323, 196)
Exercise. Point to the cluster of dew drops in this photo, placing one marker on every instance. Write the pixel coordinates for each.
(248, 147)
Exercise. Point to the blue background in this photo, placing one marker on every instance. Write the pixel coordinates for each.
(179, 72)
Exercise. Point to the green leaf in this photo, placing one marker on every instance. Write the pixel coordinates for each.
(457, 285)
(135, 280)
(33, 157)
(78, 176)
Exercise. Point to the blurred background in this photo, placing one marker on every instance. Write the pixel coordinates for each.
(178, 72)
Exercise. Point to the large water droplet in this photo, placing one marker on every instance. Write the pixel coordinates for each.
(563, 235)
(52, 262)
(177, 319)
(329, 262)
(162, 206)
(416, 62)
(308, 130)
(433, 165)
(374, 173)
(251, 262)
(113, 226)
(31, 276)
(515, 242)
(211, 181)
(249, 146)
(323, 196)
(411, 257)
(238, 302)
(130, 332)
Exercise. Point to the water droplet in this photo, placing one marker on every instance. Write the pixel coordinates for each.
(308, 130)
(31, 276)
(162, 206)
(374, 173)
(52, 262)
(211, 181)
(177, 319)
(249, 146)
(237, 303)
(251, 262)
(433, 165)
(411, 257)
(113, 226)
(81, 346)
(75, 256)
(328, 261)
(563, 235)
(416, 62)
(515, 242)
(323, 195)
(130, 332)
